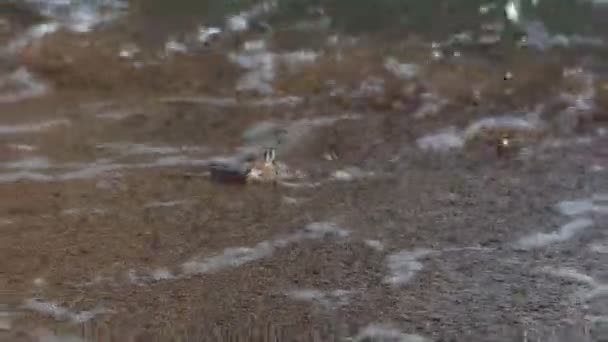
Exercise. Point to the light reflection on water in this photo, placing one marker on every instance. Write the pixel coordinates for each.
(435, 18)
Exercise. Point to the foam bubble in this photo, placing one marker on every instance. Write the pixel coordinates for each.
(404, 265)
(33, 127)
(382, 332)
(442, 141)
(565, 233)
(60, 313)
(20, 85)
(237, 256)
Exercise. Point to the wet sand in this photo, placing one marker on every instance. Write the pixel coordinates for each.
(403, 221)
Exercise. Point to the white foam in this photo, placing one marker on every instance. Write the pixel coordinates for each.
(142, 149)
(375, 244)
(33, 127)
(83, 211)
(317, 230)
(452, 138)
(174, 161)
(299, 185)
(261, 71)
(129, 51)
(33, 163)
(133, 149)
(173, 46)
(237, 256)
(255, 45)
(205, 34)
(569, 273)
(529, 123)
(600, 197)
(240, 21)
(370, 86)
(231, 101)
(328, 299)
(600, 209)
(261, 67)
(342, 175)
(601, 290)
(95, 169)
(295, 59)
(118, 115)
(512, 10)
(34, 33)
(296, 130)
(89, 171)
(81, 171)
(237, 23)
(23, 147)
(162, 274)
(24, 175)
(467, 248)
(206, 100)
(80, 16)
(564, 143)
(404, 265)
(431, 105)
(166, 204)
(583, 101)
(442, 141)
(601, 248)
(20, 85)
(291, 200)
(60, 313)
(306, 294)
(275, 101)
(576, 207)
(401, 70)
(381, 332)
(565, 233)
(583, 206)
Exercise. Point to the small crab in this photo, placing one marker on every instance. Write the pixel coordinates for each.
(265, 170)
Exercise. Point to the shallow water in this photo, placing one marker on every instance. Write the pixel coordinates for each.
(440, 170)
